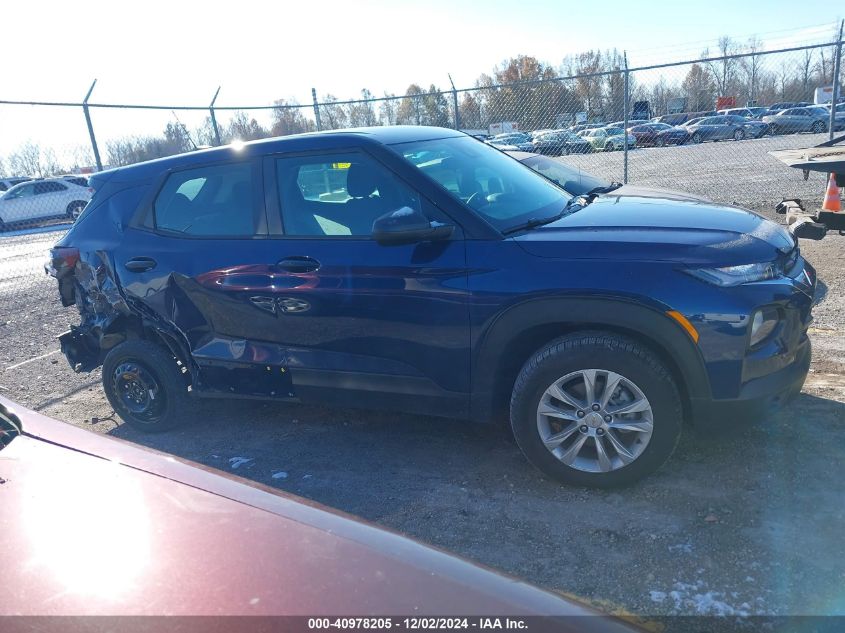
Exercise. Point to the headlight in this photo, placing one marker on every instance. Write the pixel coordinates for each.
(763, 323)
(736, 275)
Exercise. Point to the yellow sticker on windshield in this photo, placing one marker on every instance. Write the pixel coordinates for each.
(341, 165)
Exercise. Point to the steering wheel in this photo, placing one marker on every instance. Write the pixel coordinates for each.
(476, 197)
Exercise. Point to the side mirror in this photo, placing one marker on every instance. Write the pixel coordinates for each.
(408, 226)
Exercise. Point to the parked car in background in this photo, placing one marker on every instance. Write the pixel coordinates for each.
(608, 139)
(631, 123)
(585, 126)
(715, 128)
(752, 128)
(41, 199)
(785, 105)
(82, 181)
(578, 182)
(658, 135)
(8, 183)
(748, 113)
(814, 119)
(519, 140)
(438, 275)
(561, 142)
(95, 526)
(672, 119)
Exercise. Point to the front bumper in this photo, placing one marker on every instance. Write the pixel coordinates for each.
(758, 398)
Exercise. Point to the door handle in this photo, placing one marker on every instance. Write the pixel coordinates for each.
(140, 264)
(298, 264)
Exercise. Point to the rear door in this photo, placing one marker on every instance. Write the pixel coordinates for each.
(50, 199)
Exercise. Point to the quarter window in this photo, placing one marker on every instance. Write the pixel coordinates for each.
(209, 201)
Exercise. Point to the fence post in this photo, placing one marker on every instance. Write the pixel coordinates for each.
(214, 117)
(836, 62)
(316, 110)
(91, 127)
(455, 103)
(625, 101)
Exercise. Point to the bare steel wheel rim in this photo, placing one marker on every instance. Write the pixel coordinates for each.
(595, 420)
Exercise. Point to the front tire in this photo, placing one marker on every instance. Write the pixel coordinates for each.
(145, 386)
(818, 127)
(739, 135)
(596, 409)
(697, 138)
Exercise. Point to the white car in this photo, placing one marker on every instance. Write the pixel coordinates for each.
(39, 199)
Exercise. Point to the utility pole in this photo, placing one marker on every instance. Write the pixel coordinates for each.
(316, 110)
(625, 101)
(837, 59)
(91, 126)
(214, 118)
(455, 103)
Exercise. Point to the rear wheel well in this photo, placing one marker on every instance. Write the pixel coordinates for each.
(520, 348)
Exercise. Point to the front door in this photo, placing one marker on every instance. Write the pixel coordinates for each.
(389, 323)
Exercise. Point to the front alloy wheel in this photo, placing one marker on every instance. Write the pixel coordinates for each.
(596, 409)
(595, 420)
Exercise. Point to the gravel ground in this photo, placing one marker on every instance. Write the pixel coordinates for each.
(747, 521)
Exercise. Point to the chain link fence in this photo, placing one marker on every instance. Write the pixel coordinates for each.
(704, 126)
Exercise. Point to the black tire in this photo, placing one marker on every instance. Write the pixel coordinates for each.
(697, 138)
(818, 127)
(608, 147)
(739, 135)
(661, 142)
(150, 372)
(75, 208)
(605, 351)
(564, 151)
(773, 130)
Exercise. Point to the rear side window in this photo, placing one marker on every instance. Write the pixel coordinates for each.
(48, 187)
(208, 201)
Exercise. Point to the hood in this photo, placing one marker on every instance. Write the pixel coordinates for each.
(655, 192)
(648, 228)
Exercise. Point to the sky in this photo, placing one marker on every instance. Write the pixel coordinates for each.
(179, 51)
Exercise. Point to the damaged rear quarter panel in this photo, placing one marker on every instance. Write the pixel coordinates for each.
(96, 286)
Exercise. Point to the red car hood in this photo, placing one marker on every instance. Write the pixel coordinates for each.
(92, 525)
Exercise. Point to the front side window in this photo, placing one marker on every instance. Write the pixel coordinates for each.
(21, 192)
(217, 200)
(497, 187)
(339, 194)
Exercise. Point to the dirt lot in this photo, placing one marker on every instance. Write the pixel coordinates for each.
(747, 521)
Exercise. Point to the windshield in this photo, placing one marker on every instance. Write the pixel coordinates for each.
(575, 181)
(613, 131)
(497, 187)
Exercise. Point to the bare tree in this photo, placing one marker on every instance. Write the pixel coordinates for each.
(388, 110)
(31, 160)
(806, 72)
(288, 119)
(363, 114)
(751, 68)
(332, 116)
(722, 70)
(3, 173)
(244, 128)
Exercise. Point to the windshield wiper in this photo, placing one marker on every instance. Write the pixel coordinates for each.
(592, 193)
(575, 203)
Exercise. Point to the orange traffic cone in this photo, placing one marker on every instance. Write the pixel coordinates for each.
(831, 196)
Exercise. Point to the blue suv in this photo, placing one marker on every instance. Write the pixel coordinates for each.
(418, 269)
